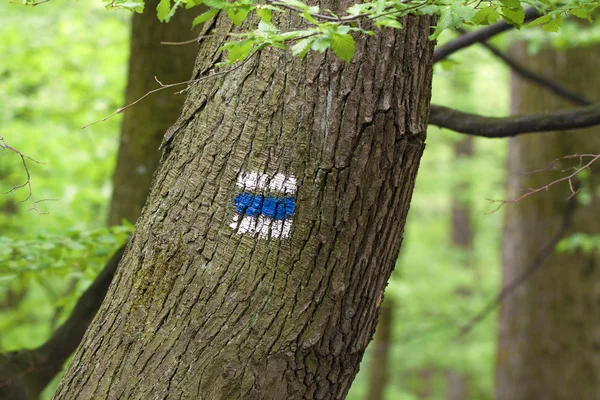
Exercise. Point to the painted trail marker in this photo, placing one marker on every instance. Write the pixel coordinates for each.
(268, 216)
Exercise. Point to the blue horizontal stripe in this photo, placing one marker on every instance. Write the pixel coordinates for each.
(269, 206)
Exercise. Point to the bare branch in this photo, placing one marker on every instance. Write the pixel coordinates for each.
(27, 183)
(533, 77)
(535, 264)
(568, 178)
(478, 36)
(163, 87)
(493, 127)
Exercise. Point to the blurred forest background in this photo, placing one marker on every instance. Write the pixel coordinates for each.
(65, 66)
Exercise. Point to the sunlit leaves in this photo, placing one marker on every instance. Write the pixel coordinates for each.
(486, 16)
(205, 16)
(554, 25)
(325, 26)
(343, 46)
(301, 48)
(163, 9)
(131, 5)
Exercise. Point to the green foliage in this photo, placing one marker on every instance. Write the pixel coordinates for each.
(579, 242)
(47, 260)
(132, 5)
(51, 97)
(62, 67)
(69, 253)
(51, 271)
(319, 29)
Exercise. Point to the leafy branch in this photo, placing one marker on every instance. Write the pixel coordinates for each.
(331, 29)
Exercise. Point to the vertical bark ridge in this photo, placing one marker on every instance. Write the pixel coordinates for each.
(199, 311)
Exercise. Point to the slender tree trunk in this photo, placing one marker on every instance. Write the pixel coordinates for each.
(549, 340)
(457, 385)
(144, 126)
(212, 301)
(379, 364)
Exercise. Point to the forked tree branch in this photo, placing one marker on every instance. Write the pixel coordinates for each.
(27, 183)
(493, 127)
(478, 36)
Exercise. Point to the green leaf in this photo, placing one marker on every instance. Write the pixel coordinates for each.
(481, 18)
(294, 3)
(265, 27)
(163, 9)
(237, 15)
(264, 14)
(239, 50)
(581, 13)
(205, 16)
(389, 22)
(321, 44)
(554, 25)
(301, 48)
(343, 46)
(192, 3)
(137, 6)
(220, 4)
(511, 3)
(465, 13)
(444, 22)
(514, 16)
(173, 10)
(541, 20)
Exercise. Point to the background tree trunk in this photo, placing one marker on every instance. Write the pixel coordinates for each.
(549, 339)
(24, 374)
(201, 310)
(144, 126)
(379, 363)
(457, 385)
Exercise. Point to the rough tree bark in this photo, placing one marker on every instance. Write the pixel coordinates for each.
(198, 310)
(549, 332)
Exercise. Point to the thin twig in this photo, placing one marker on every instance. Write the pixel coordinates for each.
(163, 87)
(24, 158)
(553, 163)
(533, 266)
(196, 40)
(569, 178)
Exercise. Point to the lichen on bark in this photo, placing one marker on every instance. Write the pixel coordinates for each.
(198, 311)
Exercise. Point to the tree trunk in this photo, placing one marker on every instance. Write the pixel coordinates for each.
(144, 126)
(549, 337)
(379, 364)
(259, 261)
(457, 385)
